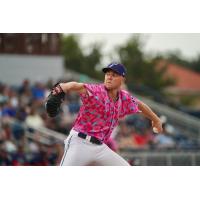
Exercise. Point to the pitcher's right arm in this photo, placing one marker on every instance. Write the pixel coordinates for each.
(73, 87)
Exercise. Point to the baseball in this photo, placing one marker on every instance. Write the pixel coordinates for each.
(155, 130)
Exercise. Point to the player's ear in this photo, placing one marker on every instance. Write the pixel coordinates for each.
(124, 79)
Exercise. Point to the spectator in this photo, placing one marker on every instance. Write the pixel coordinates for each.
(24, 87)
(142, 140)
(25, 98)
(33, 119)
(38, 91)
(165, 140)
(9, 110)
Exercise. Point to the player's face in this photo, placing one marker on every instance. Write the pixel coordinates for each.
(113, 80)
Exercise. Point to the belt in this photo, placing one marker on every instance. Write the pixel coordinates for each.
(91, 139)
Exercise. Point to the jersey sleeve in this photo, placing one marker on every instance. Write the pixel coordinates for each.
(129, 105)
(133, 105)
(92, 91)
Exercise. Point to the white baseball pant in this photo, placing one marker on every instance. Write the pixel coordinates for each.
(81, 152)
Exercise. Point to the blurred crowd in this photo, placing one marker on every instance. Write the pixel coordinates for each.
(24, 104)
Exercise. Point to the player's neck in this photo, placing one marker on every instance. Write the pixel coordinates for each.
(113, 94)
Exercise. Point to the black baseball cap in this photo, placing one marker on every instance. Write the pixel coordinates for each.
(116, 67)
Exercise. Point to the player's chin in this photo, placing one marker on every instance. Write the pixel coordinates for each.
(108, 86)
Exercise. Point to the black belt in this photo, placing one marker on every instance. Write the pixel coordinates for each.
(91, 138)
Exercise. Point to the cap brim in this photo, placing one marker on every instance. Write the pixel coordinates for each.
(107, 68)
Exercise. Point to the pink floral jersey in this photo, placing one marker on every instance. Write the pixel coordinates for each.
(99, 114)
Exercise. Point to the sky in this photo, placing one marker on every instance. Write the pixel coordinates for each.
(187, 43)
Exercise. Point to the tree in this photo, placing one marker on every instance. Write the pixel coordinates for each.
(92, 60)
(73, 55)
(76, 59)
(195, 63)
(140, 70)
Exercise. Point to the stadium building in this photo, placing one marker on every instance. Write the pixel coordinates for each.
(35, 56)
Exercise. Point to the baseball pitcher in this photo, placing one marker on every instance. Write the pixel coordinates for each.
(102, 107)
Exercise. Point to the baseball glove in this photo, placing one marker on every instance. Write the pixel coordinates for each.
(54, 101)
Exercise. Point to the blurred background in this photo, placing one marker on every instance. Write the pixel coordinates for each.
(163, 71)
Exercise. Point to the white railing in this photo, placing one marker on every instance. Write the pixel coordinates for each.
(44, 134)
(150, 158)
(187, 123)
